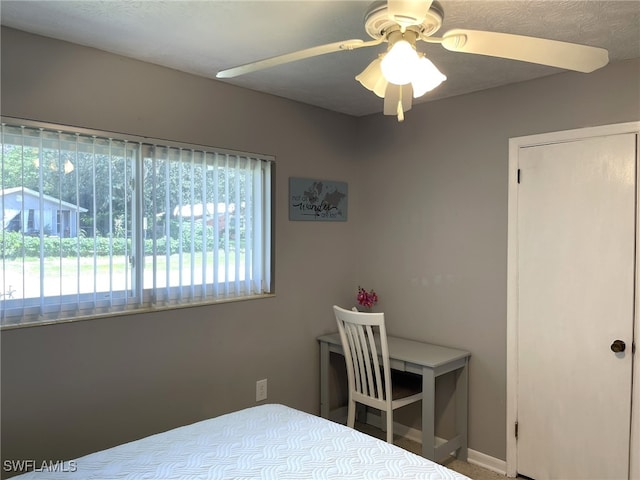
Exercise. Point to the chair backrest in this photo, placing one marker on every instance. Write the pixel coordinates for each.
(364, 341)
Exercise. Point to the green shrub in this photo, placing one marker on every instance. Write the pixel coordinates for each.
(17, 245)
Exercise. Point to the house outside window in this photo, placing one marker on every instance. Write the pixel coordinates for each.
(95, 223)
(20, 205)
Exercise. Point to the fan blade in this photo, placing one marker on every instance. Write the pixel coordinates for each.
(408, 12)
(570, 56)
(295, 56)
(397, 100)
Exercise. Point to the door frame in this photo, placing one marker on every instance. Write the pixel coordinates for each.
(512, 285)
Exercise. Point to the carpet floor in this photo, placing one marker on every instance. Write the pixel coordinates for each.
(470, 470)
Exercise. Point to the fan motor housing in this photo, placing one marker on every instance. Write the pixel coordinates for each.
(377, 23)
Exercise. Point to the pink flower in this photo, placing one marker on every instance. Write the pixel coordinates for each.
(367, 299)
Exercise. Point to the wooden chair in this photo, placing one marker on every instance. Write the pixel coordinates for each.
(364, 341)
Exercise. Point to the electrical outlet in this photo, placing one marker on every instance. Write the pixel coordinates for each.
(261, 390)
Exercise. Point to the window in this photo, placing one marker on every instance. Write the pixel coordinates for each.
(95, 224)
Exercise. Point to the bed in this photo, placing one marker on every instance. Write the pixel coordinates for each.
(265, 442)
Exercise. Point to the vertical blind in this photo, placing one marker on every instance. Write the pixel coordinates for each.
(95, 224)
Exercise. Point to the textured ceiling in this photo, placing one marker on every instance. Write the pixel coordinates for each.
(202, 37)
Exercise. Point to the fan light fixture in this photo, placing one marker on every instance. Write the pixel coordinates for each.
(401, 65)
(424, 77)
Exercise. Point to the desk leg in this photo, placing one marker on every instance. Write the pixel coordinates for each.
(324, 380)
(462, 397)
(428, 413)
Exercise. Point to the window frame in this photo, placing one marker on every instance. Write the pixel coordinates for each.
(34, 307)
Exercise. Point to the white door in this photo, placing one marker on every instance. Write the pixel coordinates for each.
(576, 257)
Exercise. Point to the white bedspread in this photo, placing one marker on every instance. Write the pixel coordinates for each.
(264, 442)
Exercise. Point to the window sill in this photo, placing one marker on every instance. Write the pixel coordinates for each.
(138, 311)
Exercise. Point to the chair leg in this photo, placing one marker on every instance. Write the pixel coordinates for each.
(389, 427)
(351, 414)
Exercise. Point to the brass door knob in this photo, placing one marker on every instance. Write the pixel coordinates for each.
(618, 346)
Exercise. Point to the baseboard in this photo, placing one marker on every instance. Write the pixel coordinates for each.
(473, 456)
(486, 461)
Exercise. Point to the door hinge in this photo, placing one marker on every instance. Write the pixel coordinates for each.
(516, 430)
(518, 175)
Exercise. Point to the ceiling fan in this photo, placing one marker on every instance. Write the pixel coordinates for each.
(402, 72)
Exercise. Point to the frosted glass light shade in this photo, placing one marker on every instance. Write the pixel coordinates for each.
(426, 78)
(399, 64)
(372, 79)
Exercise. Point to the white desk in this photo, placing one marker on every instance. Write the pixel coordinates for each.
(424, 359)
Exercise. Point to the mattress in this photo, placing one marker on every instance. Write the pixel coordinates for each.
(264, 442)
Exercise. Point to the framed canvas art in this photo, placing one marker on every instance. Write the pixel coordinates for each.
(317, 200)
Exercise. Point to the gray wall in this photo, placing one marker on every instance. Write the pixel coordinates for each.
(427, 229)
(73, 388)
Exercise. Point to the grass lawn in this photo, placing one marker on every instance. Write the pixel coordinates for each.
(63, 276)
